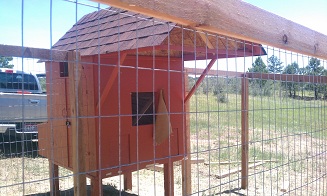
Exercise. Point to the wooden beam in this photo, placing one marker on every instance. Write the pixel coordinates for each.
(233, 18)
(169, 178)
(186, 162)
(237, 162)
(35, 53)
(54, 180)
(111, 80)
(288, 77)
(220, 73)
(205, 39)
(234, 171)
(263, 76)
(128, 185)
(198, 82)
(96, 186)
(245, 132)
(76, 106)
(192, 161)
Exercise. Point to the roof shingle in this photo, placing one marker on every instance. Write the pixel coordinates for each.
(113, 29)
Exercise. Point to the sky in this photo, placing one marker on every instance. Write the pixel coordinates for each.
(309, 13)
(45, 21)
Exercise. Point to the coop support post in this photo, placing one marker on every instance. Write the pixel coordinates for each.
(128, 181)
(198, 82)
(54, 180)
(245, 132)
(96, 185)
(186, 163)
(76, 106)
(169, 178)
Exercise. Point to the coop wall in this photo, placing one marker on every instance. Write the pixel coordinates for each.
(112, 142)
(134, 146)
(55, 136)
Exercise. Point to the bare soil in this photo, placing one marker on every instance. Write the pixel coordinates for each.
(298, 168)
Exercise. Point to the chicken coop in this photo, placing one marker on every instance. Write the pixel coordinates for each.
(133, 101)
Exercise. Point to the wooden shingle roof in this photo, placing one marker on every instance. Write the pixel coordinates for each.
(110, 30)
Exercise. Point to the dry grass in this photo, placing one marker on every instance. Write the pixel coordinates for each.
(299, 166)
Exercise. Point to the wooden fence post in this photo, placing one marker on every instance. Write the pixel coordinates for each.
(245, 132)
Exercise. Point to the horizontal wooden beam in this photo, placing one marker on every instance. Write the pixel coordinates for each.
(263, 76)
(233, 18)
(35, 53)
(220, 73)
(237, 170)
(288, 77)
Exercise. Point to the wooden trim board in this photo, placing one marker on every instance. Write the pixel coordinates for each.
(36, 53)
(76, 104)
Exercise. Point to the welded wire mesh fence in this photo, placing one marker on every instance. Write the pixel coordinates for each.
(137, 105)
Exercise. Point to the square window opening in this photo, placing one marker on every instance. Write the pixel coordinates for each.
(63, 69)
(142, 108)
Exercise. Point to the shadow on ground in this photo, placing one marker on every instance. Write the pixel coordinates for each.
(107, 191)
(235, 191)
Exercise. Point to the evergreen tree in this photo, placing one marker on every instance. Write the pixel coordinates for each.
(274, 65)
(314, 68)
(291, 86)
(259, 86)
(258, 66)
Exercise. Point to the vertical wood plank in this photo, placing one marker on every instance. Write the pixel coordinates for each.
(54, 180)
(76, 107)
(128, 181)
(245, 132)
(96, 186)
(169, 178)
(186, 163)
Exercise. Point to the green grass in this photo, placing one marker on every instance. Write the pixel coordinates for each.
(282, 115)
(259, 154)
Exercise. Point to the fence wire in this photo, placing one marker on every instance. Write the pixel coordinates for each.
(142, 106)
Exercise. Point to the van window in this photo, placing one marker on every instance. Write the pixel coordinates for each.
(15, 81)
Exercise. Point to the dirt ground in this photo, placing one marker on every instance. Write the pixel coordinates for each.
(294, 165)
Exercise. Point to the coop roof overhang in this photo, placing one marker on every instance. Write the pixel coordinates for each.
(188, 53)
(232, 18)
(114, 30)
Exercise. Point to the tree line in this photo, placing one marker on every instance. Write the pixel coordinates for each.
(221, 86)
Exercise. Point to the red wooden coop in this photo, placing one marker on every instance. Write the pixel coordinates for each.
(125, 90)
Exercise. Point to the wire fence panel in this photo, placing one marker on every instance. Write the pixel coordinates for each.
(126, 104)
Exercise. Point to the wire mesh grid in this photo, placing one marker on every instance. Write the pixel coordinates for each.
(141, 106)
